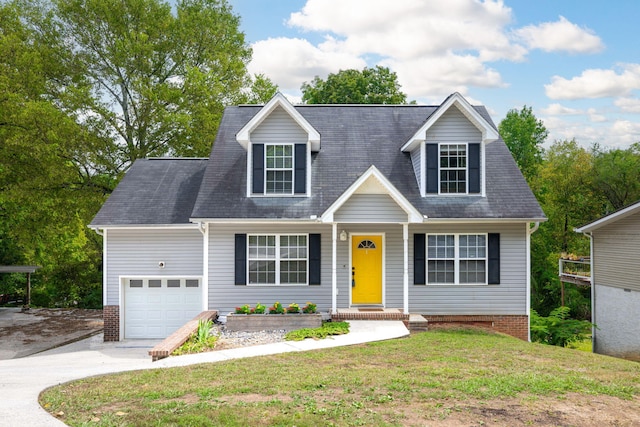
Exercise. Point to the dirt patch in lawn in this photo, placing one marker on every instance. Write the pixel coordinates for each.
(570, 410)
(23, 333)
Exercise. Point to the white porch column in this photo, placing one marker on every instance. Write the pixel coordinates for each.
(334, 270)
(405, 296)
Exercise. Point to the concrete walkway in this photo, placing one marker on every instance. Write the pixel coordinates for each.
(22, 380)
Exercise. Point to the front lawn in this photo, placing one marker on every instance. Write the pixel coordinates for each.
(459, 377)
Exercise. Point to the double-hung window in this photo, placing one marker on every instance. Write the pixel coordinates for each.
(457, 259)
(278, 259)
(279, 169)
(453, 168)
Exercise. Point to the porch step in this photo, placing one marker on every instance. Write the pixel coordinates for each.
(179, 337)
(418, 323)
(367, 314)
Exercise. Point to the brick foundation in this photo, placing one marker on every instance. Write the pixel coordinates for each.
(514, 325)
(111, 316)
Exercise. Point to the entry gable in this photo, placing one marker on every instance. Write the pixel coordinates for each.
(373, 183)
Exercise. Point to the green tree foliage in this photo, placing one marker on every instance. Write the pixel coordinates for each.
(149, 81)
(563, 188)
(616, 175)
(86, 87)
(524, 134)
(558, 328)
(370, 86)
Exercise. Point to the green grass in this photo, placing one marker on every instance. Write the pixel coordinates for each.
(399, 382)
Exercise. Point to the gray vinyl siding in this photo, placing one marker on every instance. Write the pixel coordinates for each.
(138, 252)
(454, 127)
(509, 297)
(616, 250)
(370, 208)
(224, 296)
(279, 127)
(416, 156)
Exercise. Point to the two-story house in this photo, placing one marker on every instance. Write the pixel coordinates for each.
(364, 210)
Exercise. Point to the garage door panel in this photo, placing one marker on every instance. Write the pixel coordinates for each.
(156, 312)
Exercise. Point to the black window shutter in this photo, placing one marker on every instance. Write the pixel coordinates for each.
(494, 258)
(419, 259)
(300, 171)
(241, 260)
(474, 168)
(314, 259)
(257, 162)
(433, 159)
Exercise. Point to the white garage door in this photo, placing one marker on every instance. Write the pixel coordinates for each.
(155, 308)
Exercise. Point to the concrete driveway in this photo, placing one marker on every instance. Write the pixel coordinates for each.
(22, 380)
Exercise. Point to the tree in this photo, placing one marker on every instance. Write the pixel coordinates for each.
(563, 187)
(524, 134)
(616, 175)
(370, 86)
(148, 81)
(46, 195)
(261, 90)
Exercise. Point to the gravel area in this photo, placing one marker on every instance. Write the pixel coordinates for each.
(228, 339)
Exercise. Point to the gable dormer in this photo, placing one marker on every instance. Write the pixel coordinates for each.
(279, 142)
(447, 151)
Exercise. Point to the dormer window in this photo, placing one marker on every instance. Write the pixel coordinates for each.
(279, 169)
(453, 168)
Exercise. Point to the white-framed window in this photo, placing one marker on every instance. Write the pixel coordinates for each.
(279, 169)
(453, 168)
(277, 259)
(456, 259)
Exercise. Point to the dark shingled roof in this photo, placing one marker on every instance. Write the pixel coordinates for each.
(354, 137)
(154, 191)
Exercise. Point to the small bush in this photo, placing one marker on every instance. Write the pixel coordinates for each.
(558, 329)
(200, 341)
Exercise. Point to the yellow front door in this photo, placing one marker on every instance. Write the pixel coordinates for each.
(366, 270)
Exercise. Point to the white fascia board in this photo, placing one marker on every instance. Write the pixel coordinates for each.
(144, 227)
(489, 133)
(481, 220)
(243, 136)
(622, 213)
(245, 221)
(413, 214)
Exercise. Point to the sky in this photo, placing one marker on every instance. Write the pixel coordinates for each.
(576, 63)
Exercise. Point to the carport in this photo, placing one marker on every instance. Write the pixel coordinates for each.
(28, 269)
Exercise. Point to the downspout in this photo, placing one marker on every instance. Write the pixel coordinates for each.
(530, 231)
(593, 292)
(204, 229)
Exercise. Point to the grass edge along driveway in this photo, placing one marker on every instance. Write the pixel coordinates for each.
(448, 377)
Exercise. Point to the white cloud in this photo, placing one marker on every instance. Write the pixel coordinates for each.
(626, 130)
(595, 117)
(560, 110)
(290, 62)
(628, 105)
(595, 83)
(434, 47)
(561, 35)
